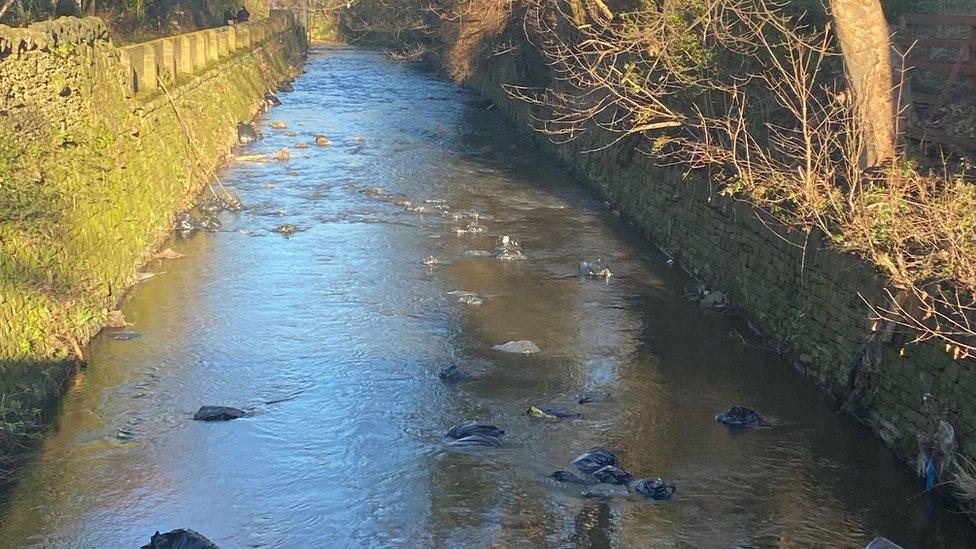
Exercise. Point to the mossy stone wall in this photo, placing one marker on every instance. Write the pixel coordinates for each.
(91, 176)
(808, 300)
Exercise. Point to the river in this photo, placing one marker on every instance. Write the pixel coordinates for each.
(332, 339)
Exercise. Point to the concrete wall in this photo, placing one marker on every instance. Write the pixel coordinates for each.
(99, 147)
(807, 299)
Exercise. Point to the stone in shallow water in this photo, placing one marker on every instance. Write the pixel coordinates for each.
(476, 440)
(595, 396)
(571, 478)
(738, 416)
(594, 270)
(285, 229)
(521, 347)
(594, 459)
(183, 538)
(611, 474)
(551, 413)
(246, 133)
(471, 427)
(453, 373)
(218, 413)
(653, 488)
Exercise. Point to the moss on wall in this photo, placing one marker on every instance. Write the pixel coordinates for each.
(808, 300)
(89, 181)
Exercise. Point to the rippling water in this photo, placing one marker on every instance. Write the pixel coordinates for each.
(333, 337)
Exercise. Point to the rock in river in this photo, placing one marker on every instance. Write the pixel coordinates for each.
(217, 413)
(285, 229)
(611, 474)
(470, 428)
(475, 440)
(453, 373)
(590, 397)
(551, 413)
(737, 416)
(183, 538)
(594, 459)
(594, 270)
(571, 478)
(522, 346)
(653, 488)
(246, 133)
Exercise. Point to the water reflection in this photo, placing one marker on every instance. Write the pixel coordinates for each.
(333, 338)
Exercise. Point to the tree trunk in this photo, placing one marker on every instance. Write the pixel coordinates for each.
(866, 45)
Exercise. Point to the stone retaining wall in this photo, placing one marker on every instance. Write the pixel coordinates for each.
(808, 300)
(99, 147)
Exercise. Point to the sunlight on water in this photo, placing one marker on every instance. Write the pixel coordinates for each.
(332, 338)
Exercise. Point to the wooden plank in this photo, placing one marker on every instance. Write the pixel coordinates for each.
(936, 136)
(943, 20)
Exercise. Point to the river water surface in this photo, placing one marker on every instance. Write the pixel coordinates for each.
(332, 338)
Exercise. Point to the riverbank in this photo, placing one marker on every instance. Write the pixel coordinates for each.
(811, 301)
(97, 159)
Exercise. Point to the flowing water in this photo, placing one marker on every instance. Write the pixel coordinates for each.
(332, 339)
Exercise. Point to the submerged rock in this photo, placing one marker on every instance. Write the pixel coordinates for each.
(594, 459)
(322, 141)
(453, 373)
(601, 491)
(168, 253)
(523, 346)
(279, 125)
(737, 416)
(653, 488)
(271, 100)
(217, 413)
(476, 440)
(467, 298)
(246, 133)
(590, 397)
(430, 261)
(285, 229)
(570, 478)
(594, 269)
(611, 474)
(551, 413)
(472, 428)
(210, 223)
(186, 223)
(510, 255)
(183, 538)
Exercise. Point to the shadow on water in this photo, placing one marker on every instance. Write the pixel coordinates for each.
(333, 337)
